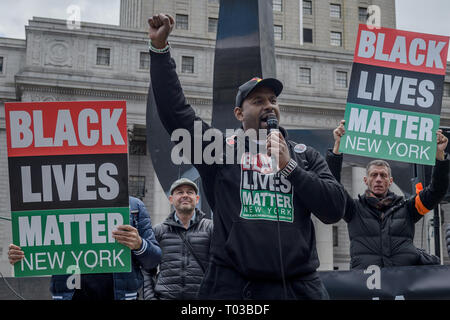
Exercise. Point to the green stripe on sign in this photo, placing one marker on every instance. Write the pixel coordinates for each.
(390, 134)
(265, 204)
(56, 240)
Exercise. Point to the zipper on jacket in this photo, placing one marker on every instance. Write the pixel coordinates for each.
(382, 215)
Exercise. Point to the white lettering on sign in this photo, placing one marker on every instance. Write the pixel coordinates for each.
(87, 138)
(41, 261)
(391, 86)
(64, 182)
(34, 232)
(380, 123)
(22, 136)
(371, 45)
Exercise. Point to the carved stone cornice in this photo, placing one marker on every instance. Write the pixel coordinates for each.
(319, 111)
(59, 91)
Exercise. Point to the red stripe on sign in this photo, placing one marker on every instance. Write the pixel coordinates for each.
(62, 128)
(399, 49)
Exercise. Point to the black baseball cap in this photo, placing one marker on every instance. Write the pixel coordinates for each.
(245, 89)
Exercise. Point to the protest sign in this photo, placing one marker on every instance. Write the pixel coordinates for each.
(395, 95)
(68, 172)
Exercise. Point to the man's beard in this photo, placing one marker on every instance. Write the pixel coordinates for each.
(184, 209)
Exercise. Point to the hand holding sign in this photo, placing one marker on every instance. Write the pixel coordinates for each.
(337, 134)
(128, 236)
(442, 142)
(15, 254)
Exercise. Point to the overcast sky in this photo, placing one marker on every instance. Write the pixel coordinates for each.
(14, 14)
(428, 16)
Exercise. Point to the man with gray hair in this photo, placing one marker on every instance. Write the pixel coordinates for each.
(381, 223)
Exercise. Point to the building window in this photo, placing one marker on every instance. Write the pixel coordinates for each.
(305, 75)
(307, 36)
(335, 236)
(182, 21)
(212, 24)
(1, 64)
(278, 32)
(446, 89)
(136, 186)
(341, 79)
(277, 5)
(362, 14)
(137, 147)
(307, 7)
(103, 56)
(187, 64)
(336, 39)
(213, 1)
(144, 61)
(335, 10)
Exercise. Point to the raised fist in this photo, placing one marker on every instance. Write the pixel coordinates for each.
(161, 25)
(339, 131)
(337, 135)
(442, 142)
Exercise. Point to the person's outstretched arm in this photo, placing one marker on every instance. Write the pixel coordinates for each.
(430, 196)
(173, 109)
(334, 159)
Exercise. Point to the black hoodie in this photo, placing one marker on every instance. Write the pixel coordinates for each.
(245, 199)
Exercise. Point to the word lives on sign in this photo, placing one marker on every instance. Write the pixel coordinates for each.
(395, 95)
(68, 177)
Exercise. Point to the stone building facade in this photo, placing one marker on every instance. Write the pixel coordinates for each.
(106, 62)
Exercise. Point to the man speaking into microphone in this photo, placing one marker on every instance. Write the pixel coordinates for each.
(263, 244)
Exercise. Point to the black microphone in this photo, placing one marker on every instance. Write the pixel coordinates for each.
(272, 125)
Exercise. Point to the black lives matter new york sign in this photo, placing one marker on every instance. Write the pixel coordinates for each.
(68, 176)
(395, 95)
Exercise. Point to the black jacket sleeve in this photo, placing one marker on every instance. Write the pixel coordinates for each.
(174, 111)
(149, 255)
(149, 284)
(432, 194)
(334, 162)
(317, 189)
(150, 275)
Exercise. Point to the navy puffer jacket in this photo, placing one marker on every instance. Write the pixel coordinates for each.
(126, 285)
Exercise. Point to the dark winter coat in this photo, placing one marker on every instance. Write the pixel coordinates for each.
(384, 237)
(180, 274)
(447, 239)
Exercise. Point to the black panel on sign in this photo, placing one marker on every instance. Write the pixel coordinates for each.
(393, 88)
(64, 182)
